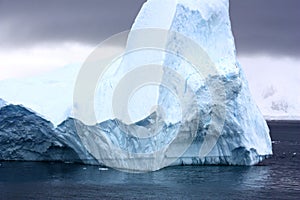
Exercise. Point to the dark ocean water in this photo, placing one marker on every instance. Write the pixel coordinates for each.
(275, 178)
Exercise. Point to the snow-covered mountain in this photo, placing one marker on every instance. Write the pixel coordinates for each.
(274, 84)
(278, 104)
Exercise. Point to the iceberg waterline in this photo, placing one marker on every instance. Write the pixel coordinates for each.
(244, 137)
(25, 136)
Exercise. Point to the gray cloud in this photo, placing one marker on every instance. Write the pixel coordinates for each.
(266, 26)
(260, 26)
(32, 21)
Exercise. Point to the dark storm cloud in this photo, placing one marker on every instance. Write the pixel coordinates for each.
(260, 26)
(266, 26)
(32, 21)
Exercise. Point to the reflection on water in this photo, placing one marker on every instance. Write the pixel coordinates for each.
(276, 177)
(235, 176)
(212, 181)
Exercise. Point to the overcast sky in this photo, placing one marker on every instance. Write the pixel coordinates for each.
(37, 36)
(259, 26)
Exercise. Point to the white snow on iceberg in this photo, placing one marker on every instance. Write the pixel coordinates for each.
(242, 134)
(238, 134)
(50, 95)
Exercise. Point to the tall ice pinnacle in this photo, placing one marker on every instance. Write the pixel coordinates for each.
(244, 137)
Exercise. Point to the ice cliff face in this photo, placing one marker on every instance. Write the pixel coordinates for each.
(244, 138)
(26, 136)
(242, 134)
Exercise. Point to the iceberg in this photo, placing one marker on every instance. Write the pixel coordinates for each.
(208, 118)
(212, 118)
